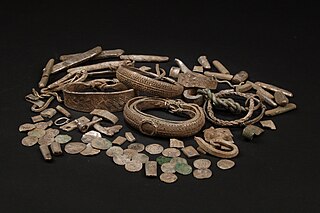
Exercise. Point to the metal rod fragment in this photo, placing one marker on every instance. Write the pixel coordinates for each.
(63, 111)
(266, 99)
(112, 65)
(182, 66)
(103, 55)
(145, 58)
(76, 59)
(56, 148)
(244, 88)
(46, 73)
(280, 109)
(220, 67)
(45, 152)
(204, 62)
(261, 90)
(217, 75)
(274, 88)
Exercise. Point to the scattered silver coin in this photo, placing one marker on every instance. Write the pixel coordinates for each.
(29, 140)
(154, 149)
(120, 159)
(202, 173)
(41, 125)
(37, 133)
(130, 153)
(202, 163)
(62, 139)
(171, 152)
(46, 140)
(168, 177)
(52, 132)
(225, 164)
(183, 168)
(26, 127)
(139, 147)
(133, 166)
(89, 151)
(74, 147)
(140, 157)
(114, 150)
(178, 160)
(101, 143)
(89, 136)
(168, 168)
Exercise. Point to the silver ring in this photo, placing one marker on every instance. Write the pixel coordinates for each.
(64, 120)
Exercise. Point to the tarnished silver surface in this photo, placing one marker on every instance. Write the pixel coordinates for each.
(175, 143)
(110, 65)
(197, 69)
(63, 111)
(200, 150)
(190, 151)
(202, 163)
(114, 150)
(133, 166)
(139, 147)
(274, 88)
(225, 164)
(130, 153)
(280, 98)
(29, 140)
(243, 88)
(105, 114)
(89, 151)
(281, 109)
(192, 96)
(62, 139)
(266, 99)
(102, 55)
(61, 121)
(182, 66)
(46, 140)
(251, 130)
(220, 76)
(220, 67)
(154, 149)
(120, 159)
(162, 159)
(204, 62)
(119, 140)
(48, 113)
(269, 124)
(145, 58)
(198, 80)
(202, 173)
(151, 168)
(130, 137)
(72, 61)
(140, 157)
(260, 90)
(171, 152)
(37, 118)
(74, 147)
(176, 160)
(52, 132)
(26, 127)
(44, 149)
(168, 168)
(109, 131)
(213, 134)
(74, 124)
(168, 177)
(101, 143)
(174, 72)
(37, 133)
(46, 73)
(41, 125)
(56, 148)
(183, 168)
(145, 68)
(89, 136)
(241, 76)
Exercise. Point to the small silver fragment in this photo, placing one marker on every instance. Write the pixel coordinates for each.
(56, 148)
(89, 136)
(139, 147)
(204, 62)
(130, 137)
(37, 118)
(119, 140)
(151, 168)
(45, 152)
(105, 114)
(269, 124)
(48, 113)
(26, 127)
(251, 130)
(175, 143)
(190, 151)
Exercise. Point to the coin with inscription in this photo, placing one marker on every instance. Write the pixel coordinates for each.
(168, 168)
(130, 153)
(37, 133)
(202, 163)
(139, 147)
(140, 157)
(178, 160)
(202, 173)
(133, 166)
(171, 152)
(89, 136)
(46, 140)
(168, 177)
(26, 127)
(225, 164)
(29, 140)
(162, 159)
(120, 159)
(114, 150)
(89, 150)
(41, 125)
(101, 143)
(62, 139)
(183, 168)
(52, 132)
(74, 147)
(154, 149)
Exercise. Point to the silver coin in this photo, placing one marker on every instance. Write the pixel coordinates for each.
(202, 163)
(89, 151)
(52, 132)
(168, 168)
(140, 157)
(130, 153)
(225, 164)
(183, 168)
(62, 139)
(46, 140)
(120, 159)
(133, 166)
(114, 150)
(37, 133)
(89, 136)
(178, 160)
(139, 147)
(171, 152)
(101, 143)
(26, 127)
(29, 140)
(74, 147)
(41, 125)
(168, 177)
(202, 173)
(154, 149)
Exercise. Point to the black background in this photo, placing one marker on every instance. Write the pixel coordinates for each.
(276, 42)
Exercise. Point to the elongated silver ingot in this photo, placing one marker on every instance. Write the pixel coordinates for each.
(145, 58)
(76, 59)
(204, 62)
(56, 148)
(266, 99)
(274, 88)
(45, 152)
(46, 73)
(112, 65)
(241, 76)
(182, 66)
(151, 168)
(104, 54)
(191, 96)
(261, 90)
(220, 76)
(198, 80)
(244, 88)
(280, 109)
(63, 111)
(174, 72)
(220, 67)
(280, 98)
(105, 114)
(197, 69)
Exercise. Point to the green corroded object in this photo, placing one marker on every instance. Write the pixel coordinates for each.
(162, 159)
(183, 168)
(62, 139)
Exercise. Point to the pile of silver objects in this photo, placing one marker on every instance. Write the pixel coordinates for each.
(100, 82)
